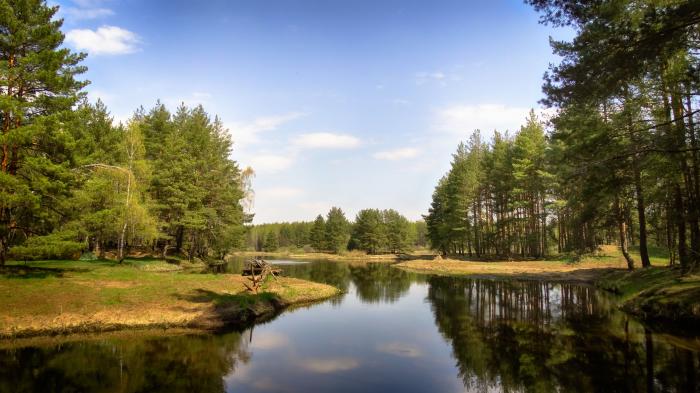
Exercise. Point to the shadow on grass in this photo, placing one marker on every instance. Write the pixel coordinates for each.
(242, 299)
(36, 272)
(233, 311)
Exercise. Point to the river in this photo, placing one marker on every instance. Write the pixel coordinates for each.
(391, 331)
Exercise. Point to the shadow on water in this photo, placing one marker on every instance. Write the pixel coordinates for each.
(533, 336)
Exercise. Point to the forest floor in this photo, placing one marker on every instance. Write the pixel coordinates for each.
(58, 297)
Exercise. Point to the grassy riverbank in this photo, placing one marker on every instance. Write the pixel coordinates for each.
(657, 294)
(54, 297)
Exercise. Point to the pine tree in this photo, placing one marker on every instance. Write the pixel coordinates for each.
(38, 90)
(337, 230)
(317, 236)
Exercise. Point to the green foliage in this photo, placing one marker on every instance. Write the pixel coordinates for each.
(57, 245)
(37, 91)
(158, 182)
(271, 242)
(317, 236)
(337, 230)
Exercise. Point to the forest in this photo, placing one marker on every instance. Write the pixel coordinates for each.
(373, 231)
(73, 181)
(617, 162)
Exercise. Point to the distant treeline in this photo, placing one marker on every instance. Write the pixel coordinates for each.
(373, 231)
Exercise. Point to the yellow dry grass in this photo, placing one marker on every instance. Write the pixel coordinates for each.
(50, 300)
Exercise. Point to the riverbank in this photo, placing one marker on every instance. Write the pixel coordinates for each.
(585, 271)
(659, 295)
(62, 297)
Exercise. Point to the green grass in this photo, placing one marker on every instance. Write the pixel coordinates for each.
(64, 294)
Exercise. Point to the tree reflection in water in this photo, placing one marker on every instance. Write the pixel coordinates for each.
(191, 363)
(533, 336)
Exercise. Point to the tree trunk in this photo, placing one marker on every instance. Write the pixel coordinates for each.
(643, 251)
(680, 223)
(622, 229)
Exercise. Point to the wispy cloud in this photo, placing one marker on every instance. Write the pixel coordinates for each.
(86, 13)
(438, 77)
(397, 154)
(270, 163)
(279, 192)
(246, 133)
(194, 99)
(106, 40)
(463, 119)
(325, 140)
(85, 10)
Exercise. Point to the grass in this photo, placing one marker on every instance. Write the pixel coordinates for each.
(561, 267)
(50, 297)
(658, 294)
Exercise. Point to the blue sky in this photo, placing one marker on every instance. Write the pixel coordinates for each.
(353, 104)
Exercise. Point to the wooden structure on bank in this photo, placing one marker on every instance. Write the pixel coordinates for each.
(258, 266)
(257, 270)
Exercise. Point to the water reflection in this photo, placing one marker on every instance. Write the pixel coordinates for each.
(193, 363)
(391, 331)
(531, 336)
(374, 282)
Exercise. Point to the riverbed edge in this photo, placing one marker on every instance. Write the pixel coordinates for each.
(215, 318)
(659, 296)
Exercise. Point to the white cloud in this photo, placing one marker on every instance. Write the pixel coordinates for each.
(279, 192)
(326, 140)
(106, 40)
(248, 133)
(397, 154)
(463, 119)
(270, 163)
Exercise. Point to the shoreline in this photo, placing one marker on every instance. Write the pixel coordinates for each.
(658, 295)
(51, 301)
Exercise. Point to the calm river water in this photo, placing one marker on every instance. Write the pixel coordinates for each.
(391, 332)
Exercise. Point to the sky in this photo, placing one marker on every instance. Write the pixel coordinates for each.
(355, 104)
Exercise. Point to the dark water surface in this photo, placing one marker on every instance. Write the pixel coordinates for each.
(391, 332)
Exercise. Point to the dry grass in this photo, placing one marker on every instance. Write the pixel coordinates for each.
(587, 269)
(73, 296)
